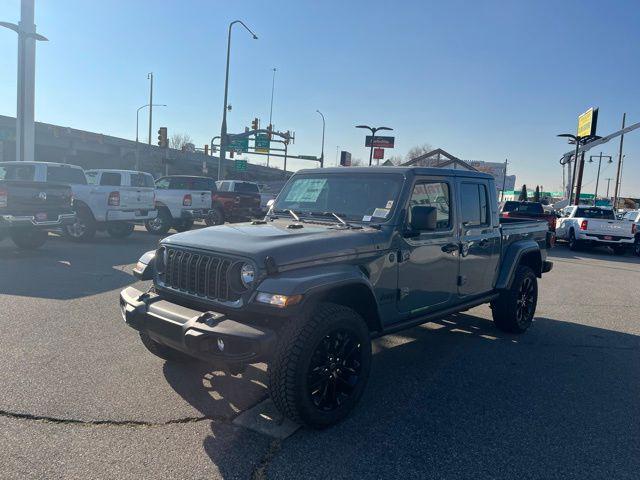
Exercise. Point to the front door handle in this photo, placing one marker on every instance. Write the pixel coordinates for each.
(450, 248)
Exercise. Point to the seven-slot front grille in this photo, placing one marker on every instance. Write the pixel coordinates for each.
(198, 274)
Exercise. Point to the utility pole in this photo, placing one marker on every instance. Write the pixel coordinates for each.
(322, 154)
(150, 76)
(618, 179)
(504, 179)
(273, 85)
(579, 181)
(337, 153)
(608, 182)
(25, 123)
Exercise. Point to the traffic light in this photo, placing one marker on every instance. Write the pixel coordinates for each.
(269, 130)
(206, 150)
(254, 124)
(162, 137)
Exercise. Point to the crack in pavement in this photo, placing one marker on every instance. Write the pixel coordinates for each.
(260, 471)
(116, 423)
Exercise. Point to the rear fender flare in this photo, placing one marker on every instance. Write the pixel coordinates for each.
(513, 257)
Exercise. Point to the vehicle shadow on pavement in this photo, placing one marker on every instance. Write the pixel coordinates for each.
(459, 399)
(597, 253)
(64, 270)
(214, 393)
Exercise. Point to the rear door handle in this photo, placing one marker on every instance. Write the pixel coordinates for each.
(450, 247)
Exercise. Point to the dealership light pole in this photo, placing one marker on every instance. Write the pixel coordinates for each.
(137, 124)
(619, 172)
(599, 157)
(576, 139)
(373, 131)
(322, 152)
(27, 36)
(273, 85)
(223, 128)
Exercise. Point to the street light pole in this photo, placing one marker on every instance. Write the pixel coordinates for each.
(608, 182)
(273, 85)
(137, 124)
(150, 76)
(599, 157)
(25, 123)
(504, 179)
(223, 128)
(373, 131)
(619, 172)
(322, 152)
(577, 140)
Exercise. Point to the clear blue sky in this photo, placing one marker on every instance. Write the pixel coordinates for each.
(484, 80)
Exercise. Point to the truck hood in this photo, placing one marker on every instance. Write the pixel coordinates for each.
(286, 245)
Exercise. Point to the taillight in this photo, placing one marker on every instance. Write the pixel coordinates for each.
(114, 199)
(505, 214)
(187, 201)
(634, 229)
(3, 197)
(213, 198)
(553, 224)
(584, 224)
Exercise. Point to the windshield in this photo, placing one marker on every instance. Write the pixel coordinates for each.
(363, 198)
(595, 213)
(523, 207)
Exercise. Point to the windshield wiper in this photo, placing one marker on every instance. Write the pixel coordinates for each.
(337, 216)
(272, 212)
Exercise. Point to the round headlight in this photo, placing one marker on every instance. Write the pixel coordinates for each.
(247, 274)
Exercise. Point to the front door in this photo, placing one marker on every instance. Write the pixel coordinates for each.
(428, 260)
(479, 239)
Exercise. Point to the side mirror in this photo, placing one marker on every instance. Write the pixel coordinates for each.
(423, 218)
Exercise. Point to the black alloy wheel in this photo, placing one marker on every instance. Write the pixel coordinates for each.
(526, 302)
(334, 370)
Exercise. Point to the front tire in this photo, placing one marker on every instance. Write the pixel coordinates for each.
(162, 351)
(120, 229)
(29, 238)
(83, 229)
(514, 309)
(161, 224)
(184, 226)
(321, 366)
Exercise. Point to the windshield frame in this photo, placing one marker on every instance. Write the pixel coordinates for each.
(314, 214)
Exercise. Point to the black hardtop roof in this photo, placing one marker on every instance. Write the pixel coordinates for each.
(407, 171)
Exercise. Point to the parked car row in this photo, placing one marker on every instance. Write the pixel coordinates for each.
(114, 201)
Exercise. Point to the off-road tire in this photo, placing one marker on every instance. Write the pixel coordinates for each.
(83, 229)
(573, 241)
(297, 344)
(636, 247)
(161, 224)
(29, 238)
(120, 229)
(183, 225)
(162, 351)
(215, 217)
(505, 308)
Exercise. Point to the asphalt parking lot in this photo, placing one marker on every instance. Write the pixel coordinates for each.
(82, 398)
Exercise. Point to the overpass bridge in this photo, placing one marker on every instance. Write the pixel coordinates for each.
(55, 143)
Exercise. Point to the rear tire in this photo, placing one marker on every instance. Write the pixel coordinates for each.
(29, 238)
(514, 309)
(161, 224)
(215, 217)
(321, 365)
(120, 229)
(83, 229)
(573, 241)
(636, 248)
(162, 351)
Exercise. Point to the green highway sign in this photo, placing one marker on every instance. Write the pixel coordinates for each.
(239, 144)
(241, 165)
(262, 143)
(307, 157)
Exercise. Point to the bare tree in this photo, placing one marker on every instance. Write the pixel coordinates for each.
(179, 140)
(356, 162)
(418, 150)
(396, 159)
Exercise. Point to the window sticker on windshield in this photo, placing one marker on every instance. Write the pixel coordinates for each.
(306, 190)
(389, 204)
(366, 218)
(380, 212)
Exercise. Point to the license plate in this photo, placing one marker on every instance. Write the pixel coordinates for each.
(608, 237)
(40, 217)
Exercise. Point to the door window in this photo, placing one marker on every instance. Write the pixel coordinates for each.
(433, 194)
(474, 204)
(162, 184)
(17, 172)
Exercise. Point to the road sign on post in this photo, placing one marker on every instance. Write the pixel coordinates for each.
(241, 165)
(378, 153)
(382, 142)
(238, 144)
(307, 157)
(262, 143)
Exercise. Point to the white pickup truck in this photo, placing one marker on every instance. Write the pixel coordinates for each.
(633, 216)
(180, 200)
(584, 225)
(111, 200)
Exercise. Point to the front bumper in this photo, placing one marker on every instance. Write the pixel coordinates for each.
(17, 221)
(207, 335)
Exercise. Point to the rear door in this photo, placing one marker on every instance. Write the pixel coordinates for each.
(479, 237)
(428, 261)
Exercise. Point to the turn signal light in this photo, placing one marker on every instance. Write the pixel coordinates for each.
(584, 224)
(114, 199)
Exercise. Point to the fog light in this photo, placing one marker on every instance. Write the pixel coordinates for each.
(278, 300)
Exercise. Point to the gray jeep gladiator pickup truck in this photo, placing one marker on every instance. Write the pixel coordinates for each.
(343, 255)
